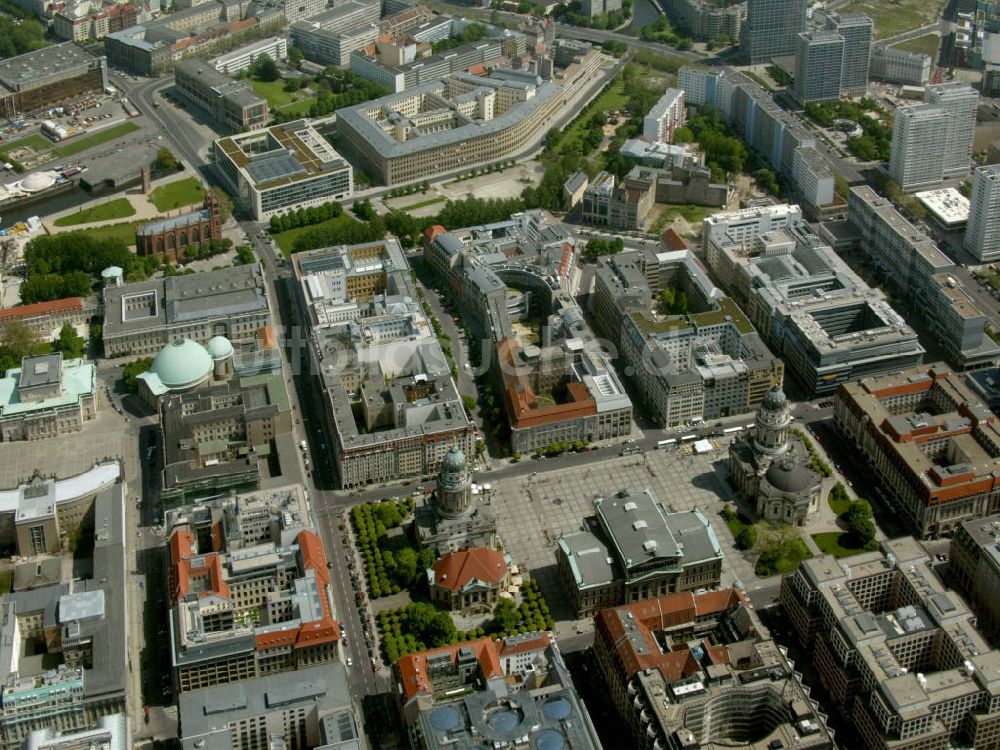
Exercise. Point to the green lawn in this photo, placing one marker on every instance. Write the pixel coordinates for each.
(6, 578)
(119, 208)
(287, 238)
(789, 556)
(992, 279)
(927, 45)
(613, 97)
(838, 506)
(893, 17)
(177, 194)
(300, 107)
(96, 139)
(423, 204)
(124, 231)
(836, 543)
(273, 91)
(37, 143)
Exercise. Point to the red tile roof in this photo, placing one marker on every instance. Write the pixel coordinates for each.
(510, 646)
(674, 241)
(457, 569)
(412, 668)
(186, 564)
(67, 305)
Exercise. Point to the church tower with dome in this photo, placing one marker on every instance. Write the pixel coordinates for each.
(455, 518)
(769, 465)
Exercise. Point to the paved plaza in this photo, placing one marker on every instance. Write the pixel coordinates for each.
(532, 512)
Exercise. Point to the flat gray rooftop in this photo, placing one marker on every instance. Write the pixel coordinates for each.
(43, 63)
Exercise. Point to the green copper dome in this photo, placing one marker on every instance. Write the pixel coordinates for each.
(219, 347)
(181, 364)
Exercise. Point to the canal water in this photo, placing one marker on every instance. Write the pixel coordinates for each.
(11, 216)
(643, 12)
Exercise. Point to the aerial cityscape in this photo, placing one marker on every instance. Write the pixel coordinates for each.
(465, 374)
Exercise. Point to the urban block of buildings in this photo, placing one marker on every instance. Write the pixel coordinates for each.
(330, 37)
(699, 671)
(932, 142)
(561, 386)
(461, 119)
(142, 317)
(110, 732)
(308, 708)
(931, 445)
(284, 167)
(63, 647)
(668, 114)
(169, 238)
(86, 21)
(632, 549)
(775, 134)
(974, 567)
(242, 58)
(707, 20)
(49, 76)
(47, 396)
(249, 593)
(769, 466)
(771, 28)
(701, 363)
(513, 691)
(898, 654)
(397, 66)
(46, 319)
(388, 394)
(916, 266)
(827, 325)
(894, 65)
(231, 104)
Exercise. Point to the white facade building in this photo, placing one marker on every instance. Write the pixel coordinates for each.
(982, 234)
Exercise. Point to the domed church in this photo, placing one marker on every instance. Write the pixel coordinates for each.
(770, 466)
(453, 519)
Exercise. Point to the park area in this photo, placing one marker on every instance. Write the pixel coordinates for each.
(859, 529)
(280, 99)
(924, 45)
(178, 194)
(119, 208)
(893, 17)
(779, 547)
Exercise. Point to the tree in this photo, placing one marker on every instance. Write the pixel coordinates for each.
(133, 370)
(406, 567)
(440, 630)
(505, 617)
(859, 523)
(767, 180)
(747, 538)
(165, 160)
(264, 69)
(225, 204)
(683, 135)
(17, 341)
(295, 57)
(68, 342)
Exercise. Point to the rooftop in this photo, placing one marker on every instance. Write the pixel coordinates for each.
(41, 64)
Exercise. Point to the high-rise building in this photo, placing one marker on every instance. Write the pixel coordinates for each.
(932, 142)
(982, 234)
(960, 100)
(918, 146)
(857, 29)
(771, 28)
(819, 59)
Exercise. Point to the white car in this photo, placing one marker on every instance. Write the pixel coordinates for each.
(349, 662)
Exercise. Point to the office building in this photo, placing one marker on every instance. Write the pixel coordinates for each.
(985, 384)
(771, 28)
(388, 394)
(770, 466)
(894, 65)
(706, 20)
(668, 114)
(84, 21)
(982, 235)
(592, 8)
(634, 550)
(813, 182)
(49, 76)
(242, 58)
(46, 397)
(919, 134)
(282, 168)
(42, 515)
(897, 653)
(819, 61)
(838, 331)
(460, 120)
(63, 647)
(46, 319)
(306, 709)
(698, 670)
(857, 30)
(143, 317)
(330, 37)
(515, 691)
(240, 611)
(704, 363)
(974, 567)
(396, 66)
(231, 104)
(961, 101)
(561, 388)
(110, 732)
(926, 275)
(929, 443)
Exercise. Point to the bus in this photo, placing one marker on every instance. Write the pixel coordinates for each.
(665, 443)
(687, 438)
(731, 430)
